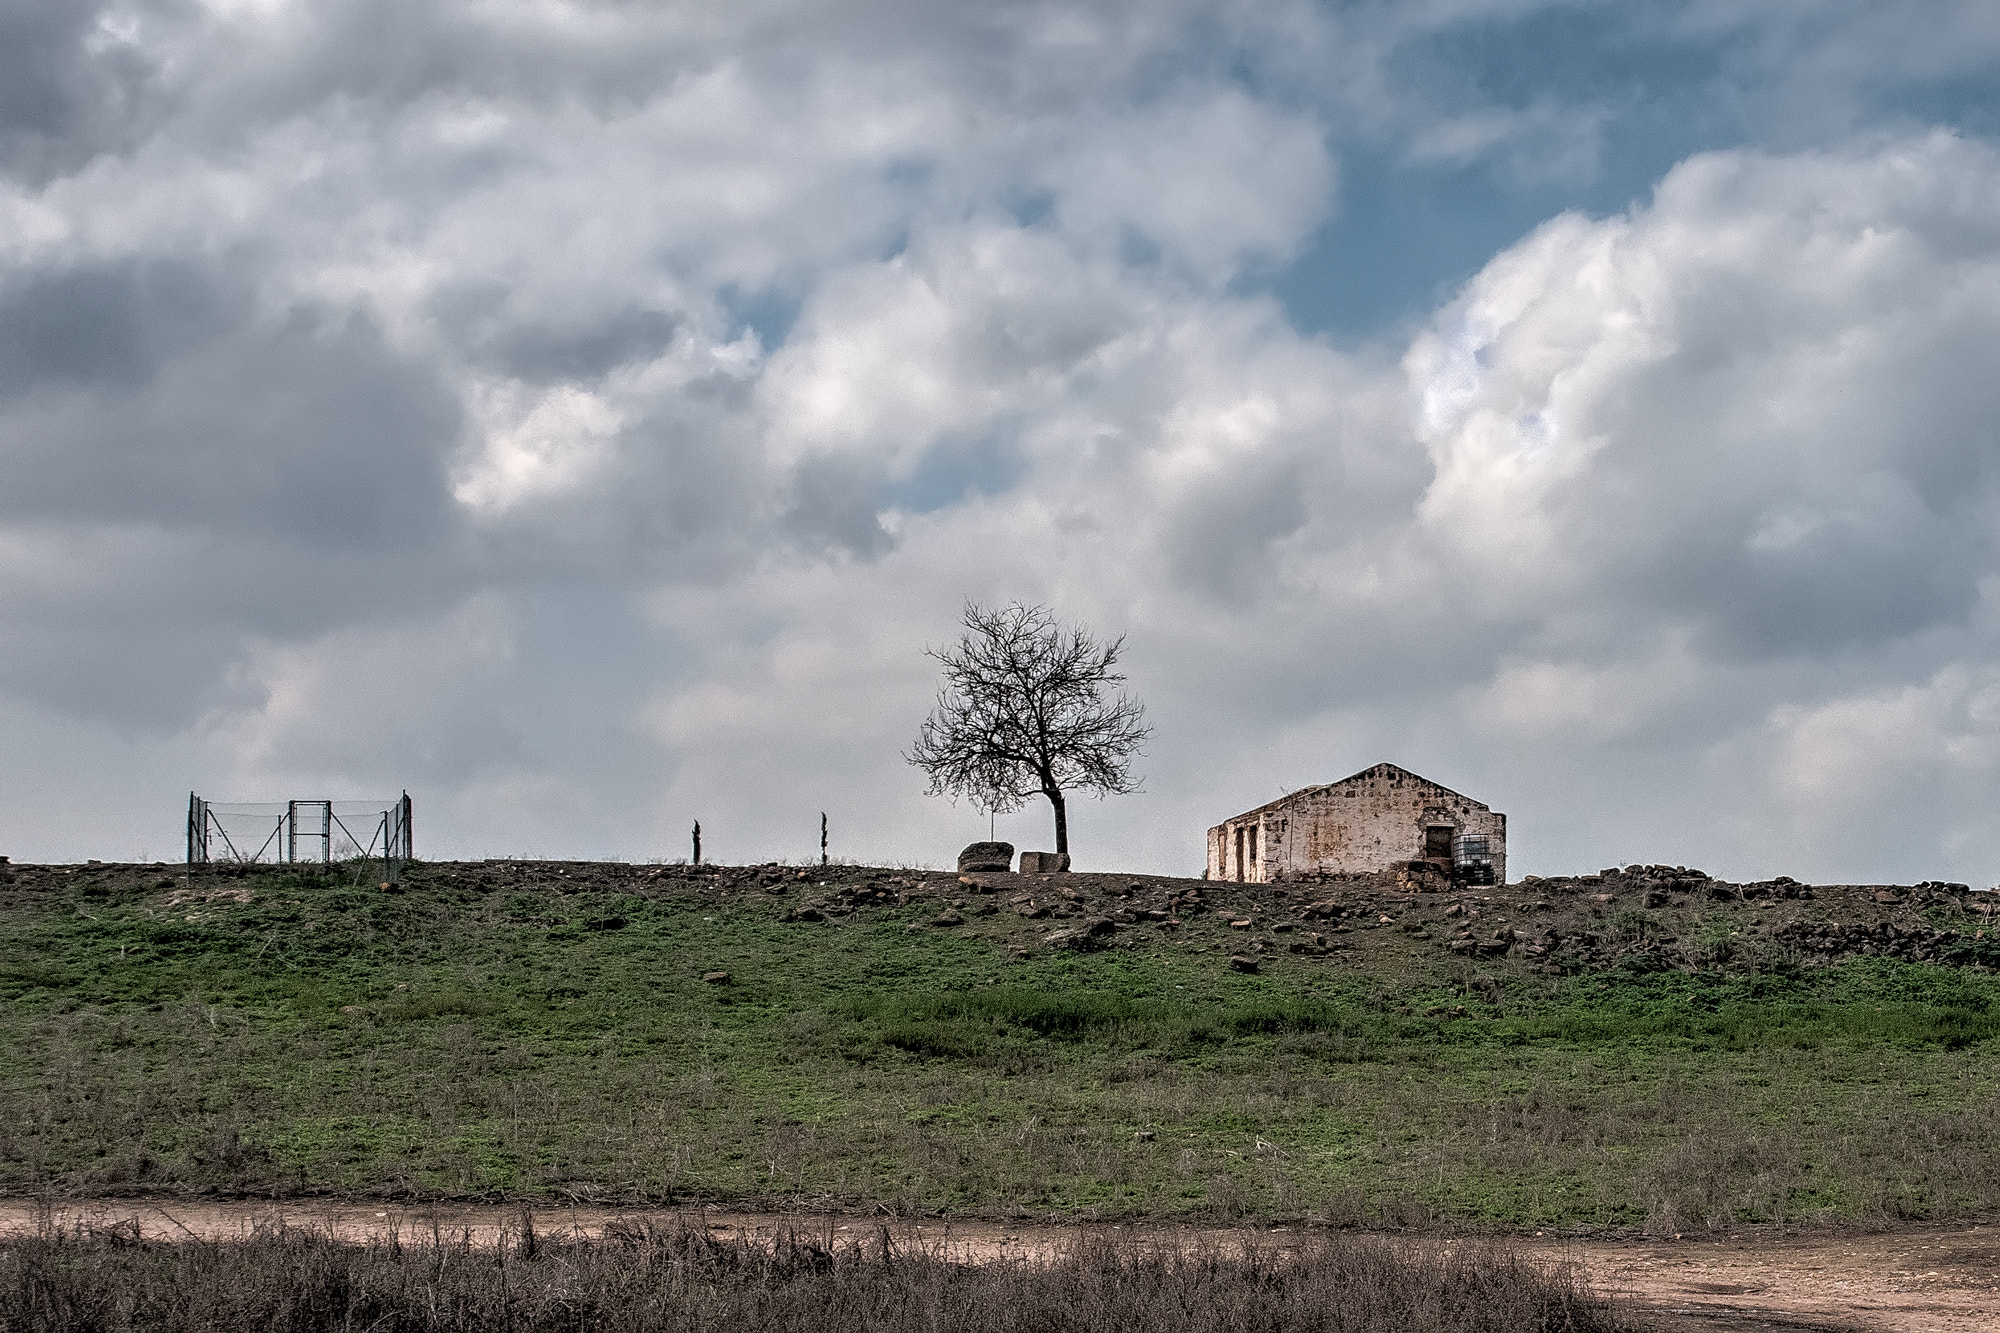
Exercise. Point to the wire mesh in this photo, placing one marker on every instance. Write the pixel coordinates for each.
(278, 832)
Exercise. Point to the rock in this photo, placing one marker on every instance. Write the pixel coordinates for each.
(1044, 863)
(807, 913)
(1143, 1135)
(1241, 923)
(948, 919)
(1243, 962)
(986, 856)
(1421, 876)
(1078, 939)
(716, 978)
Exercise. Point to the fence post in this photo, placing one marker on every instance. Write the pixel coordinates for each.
(697, 842)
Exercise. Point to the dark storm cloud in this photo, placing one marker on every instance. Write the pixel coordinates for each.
(132, 400)
(183, 471)
(68, 89)
(106, 325)
(831, 508)
(542, 351)
(1225, 551)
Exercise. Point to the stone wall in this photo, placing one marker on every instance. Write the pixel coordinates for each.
(1360, 825)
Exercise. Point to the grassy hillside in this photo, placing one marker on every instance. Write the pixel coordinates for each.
(1665, 1052)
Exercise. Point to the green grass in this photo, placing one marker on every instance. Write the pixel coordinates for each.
(488, 1033)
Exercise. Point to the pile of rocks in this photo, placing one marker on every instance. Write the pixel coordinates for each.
(1828, 941)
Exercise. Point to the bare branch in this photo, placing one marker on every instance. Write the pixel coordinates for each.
(1024, 712)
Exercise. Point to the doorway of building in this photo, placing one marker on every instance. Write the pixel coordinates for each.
(1437, 842)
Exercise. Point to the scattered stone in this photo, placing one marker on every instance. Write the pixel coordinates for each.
(1243, 962)
(716, 978)
(1240, 924)
(948, 919)
(1143, 1135)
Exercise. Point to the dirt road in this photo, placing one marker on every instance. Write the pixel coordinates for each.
(1918, 1279)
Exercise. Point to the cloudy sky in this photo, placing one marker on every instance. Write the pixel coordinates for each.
(583, 414)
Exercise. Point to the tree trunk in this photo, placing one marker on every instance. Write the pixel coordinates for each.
(1062, 817)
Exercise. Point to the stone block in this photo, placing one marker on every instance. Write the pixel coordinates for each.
(1044, 863)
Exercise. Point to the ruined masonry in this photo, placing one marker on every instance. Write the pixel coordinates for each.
(1383, 818)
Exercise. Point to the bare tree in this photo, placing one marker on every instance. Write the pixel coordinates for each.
(1023, 712)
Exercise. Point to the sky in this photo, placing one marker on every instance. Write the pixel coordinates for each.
(585, 415)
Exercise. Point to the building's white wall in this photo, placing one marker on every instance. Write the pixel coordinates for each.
(1356, 826)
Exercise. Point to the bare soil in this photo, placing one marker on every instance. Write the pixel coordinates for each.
(1915, 1279)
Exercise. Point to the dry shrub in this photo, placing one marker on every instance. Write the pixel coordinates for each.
(681, 1278)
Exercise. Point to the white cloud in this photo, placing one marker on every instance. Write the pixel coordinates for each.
(593, 411)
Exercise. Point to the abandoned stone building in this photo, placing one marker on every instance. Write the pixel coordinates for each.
(1380, 818)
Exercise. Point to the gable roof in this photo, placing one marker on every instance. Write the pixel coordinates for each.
(1383, 770)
